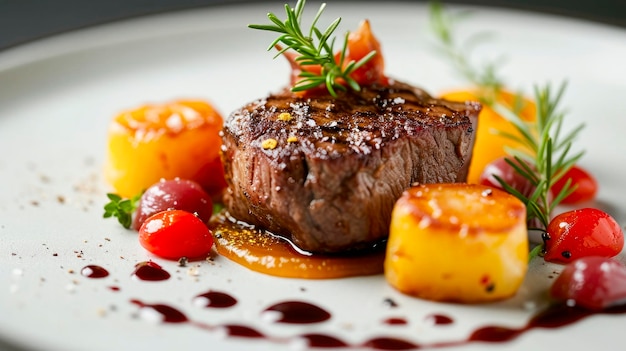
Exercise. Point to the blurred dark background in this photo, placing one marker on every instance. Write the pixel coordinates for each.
(26, 20)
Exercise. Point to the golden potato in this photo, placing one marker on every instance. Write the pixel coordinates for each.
(489, 145)
(169, 140)
(457, 242)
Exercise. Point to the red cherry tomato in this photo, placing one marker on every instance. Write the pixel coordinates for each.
(175, 194)
(502, 169)
(586, 190)
(592, 282)
(581, 233)
(360, 43)
(174, 234)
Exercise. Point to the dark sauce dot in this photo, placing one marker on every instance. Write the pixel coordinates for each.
(439, 319)
(566, 254)
(490, 288)
(215, 299)
(395, 321)
(169, 314)
(242, 331)
(389, 343)
(150, 271)
(494, 334)
(323, 341)
(93, 271)
(297, 312)
(545, 236)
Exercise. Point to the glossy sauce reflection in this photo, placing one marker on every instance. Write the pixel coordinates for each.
(270, 254)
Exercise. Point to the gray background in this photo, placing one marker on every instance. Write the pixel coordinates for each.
(26, 20)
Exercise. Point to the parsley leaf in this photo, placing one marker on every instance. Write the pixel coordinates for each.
(121, 208)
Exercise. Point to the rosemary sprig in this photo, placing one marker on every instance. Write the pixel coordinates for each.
(485, 78)
(544, 156)
(313, 53)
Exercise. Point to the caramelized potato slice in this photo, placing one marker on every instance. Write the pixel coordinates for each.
(490, 145)
(169, 140)
(457, 242)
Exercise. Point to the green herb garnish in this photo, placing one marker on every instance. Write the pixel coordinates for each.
(484, 77)
(543, 159)
(121, 208)
(217, 207)
(315, 49)
(544, 156)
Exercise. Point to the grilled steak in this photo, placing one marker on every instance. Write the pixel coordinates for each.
(325, 172)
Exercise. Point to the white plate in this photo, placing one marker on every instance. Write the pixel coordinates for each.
(58, 95)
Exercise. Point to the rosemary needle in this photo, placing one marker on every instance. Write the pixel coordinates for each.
(485, 78)
(543, 155)
(315, 49)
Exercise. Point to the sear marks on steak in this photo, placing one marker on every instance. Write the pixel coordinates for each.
(326, 172)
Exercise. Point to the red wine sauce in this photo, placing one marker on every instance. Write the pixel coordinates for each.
(242, 331)
(390, 343)
(323, 341)
(439, 319)
(150, 271)
(555, 316)
(298, 312)
(215, 299)
(93, 271)
(168, 313)
(395, 321)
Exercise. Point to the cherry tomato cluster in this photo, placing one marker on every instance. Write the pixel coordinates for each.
(586, 185)
(573, 234)
(171, 219)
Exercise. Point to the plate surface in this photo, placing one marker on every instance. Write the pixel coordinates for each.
(58, 95)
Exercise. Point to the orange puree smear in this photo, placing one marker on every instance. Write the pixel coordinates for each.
(267, 253)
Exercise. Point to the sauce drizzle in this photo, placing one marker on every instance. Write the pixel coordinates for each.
(297, 312)
(439, 319)
(168, 313)
(150, 271)
(555, 316)
(215, 299)
(93, 271)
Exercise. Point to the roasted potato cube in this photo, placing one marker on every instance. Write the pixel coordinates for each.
(457, 242)
(169, 140)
